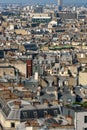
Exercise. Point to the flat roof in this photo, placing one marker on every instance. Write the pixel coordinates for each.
(42, 17)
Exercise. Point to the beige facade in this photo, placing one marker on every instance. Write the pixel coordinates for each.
(21, 31)
(80, 123)
(6, 124)
(83, 78)
(21, 66)
(38, 15)
(7, 71)
(72, 82)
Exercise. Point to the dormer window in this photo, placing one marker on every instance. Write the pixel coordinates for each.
(35, 114)
(12, 125)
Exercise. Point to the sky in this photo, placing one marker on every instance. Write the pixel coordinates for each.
(43, 1)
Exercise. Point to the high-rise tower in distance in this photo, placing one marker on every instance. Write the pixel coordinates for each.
(60, 5)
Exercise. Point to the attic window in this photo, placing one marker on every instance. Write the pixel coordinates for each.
(45, 113)
(55, 112)
(85, 128)
(12, 125)
(35, 114)
(68, 112)
(85, 119)
(4, 73)
(69, 100)
(25, 114)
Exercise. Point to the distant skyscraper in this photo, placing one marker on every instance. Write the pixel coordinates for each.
(38, 9)
(59, 5)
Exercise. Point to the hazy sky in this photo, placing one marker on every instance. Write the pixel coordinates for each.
(42, 1)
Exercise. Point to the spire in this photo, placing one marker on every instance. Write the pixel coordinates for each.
(59, 5)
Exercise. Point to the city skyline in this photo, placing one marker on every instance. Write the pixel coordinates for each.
(43, 65)
(44, 2)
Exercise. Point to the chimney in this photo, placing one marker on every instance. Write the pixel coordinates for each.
(38, 91)
(29, 68)
(69, 119)
(46, 103)
(56, 93)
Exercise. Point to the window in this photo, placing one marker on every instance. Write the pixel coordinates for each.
(85, 119)
(68, 112)
(85, 128)
(12, 125)
(55, 112)
(35, 114)
(4, 73)
(46, 61)
(11, 72)
(24, 114)
(69, 100)
(45, 113)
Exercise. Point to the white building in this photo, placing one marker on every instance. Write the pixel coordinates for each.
(81, 120)
(78, 115)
